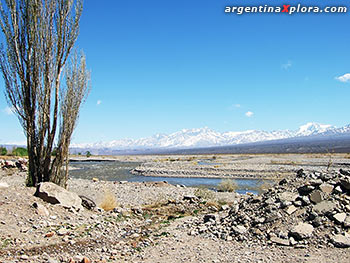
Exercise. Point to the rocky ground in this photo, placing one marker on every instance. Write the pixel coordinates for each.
(304, 218)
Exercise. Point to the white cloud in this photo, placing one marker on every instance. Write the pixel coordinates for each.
(98, 102)
(287, 65)
(249, 114)
(9, 110)
(234, 106)
(344, 78)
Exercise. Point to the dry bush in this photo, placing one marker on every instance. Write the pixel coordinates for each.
(108, 202)
(227, 185)
(205, 194)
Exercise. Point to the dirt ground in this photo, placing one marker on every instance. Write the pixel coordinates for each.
(128, 235)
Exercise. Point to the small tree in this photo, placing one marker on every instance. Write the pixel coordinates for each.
(20, 151)
(3, 150)
(44, 90)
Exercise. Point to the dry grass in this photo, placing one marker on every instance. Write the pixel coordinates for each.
(204, 194)
(108, 202)
(227, 185)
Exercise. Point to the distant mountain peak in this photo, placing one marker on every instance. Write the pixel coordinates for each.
(313, 128)
(206, 137)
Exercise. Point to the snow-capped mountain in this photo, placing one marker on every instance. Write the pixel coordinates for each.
(205, 137)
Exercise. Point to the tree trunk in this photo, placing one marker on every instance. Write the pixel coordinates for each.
(34, 173)
(56, 173)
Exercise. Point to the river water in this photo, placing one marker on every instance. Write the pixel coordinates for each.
(120, 171)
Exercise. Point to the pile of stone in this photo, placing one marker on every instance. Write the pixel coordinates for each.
(308, 209)
(21, 164)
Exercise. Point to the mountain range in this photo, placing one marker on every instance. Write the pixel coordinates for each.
(205, 137)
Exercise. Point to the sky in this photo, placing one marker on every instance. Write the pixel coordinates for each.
(163, 66)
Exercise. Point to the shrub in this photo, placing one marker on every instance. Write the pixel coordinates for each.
(3, 151)
(227, 185)
(88, 154)
(20, 151)
(108, 202)
(204, 193)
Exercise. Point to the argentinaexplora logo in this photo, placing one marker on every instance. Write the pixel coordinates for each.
(285, 9)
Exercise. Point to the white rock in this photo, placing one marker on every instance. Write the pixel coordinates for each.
(341, 241)
(55, 194)
(302, 231)
(339, 218)
(4, 185)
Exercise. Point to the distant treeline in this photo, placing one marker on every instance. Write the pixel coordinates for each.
(15, 151)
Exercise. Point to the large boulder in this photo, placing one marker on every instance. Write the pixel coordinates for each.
(342, 241)
(302, 231)
(324, 207)
(55, 194)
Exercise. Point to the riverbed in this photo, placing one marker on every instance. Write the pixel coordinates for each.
(120, 171)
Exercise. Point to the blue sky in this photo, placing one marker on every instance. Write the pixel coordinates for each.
(162, 66)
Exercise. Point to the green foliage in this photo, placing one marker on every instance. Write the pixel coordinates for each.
(20, 151)
(54, 152)
(88, 154)
(3, 151)
(227, 185)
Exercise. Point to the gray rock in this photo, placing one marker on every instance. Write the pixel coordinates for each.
(339, 218)
(316, 197)
(55, 194)
(287, 196)
(280, 241)
(341, 241)
(291, 209)
(326, 188)
(239, 229)
(324, 207)
(301, 231)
